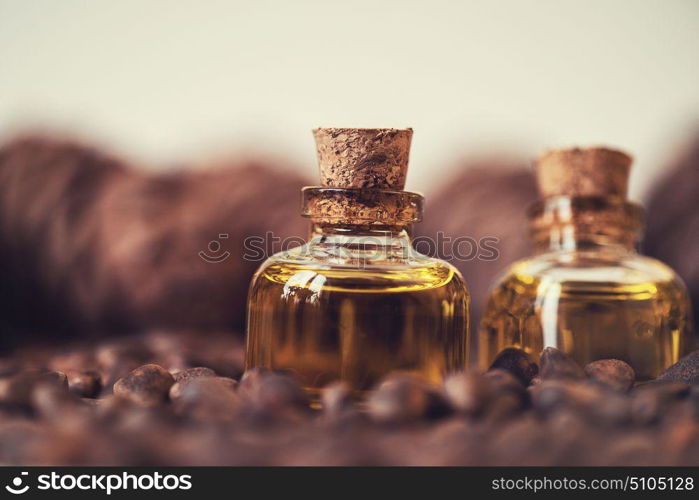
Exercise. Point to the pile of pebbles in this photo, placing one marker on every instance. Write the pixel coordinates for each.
(182, 399)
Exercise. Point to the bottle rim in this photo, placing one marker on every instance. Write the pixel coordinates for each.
(361, 205)
(603, 218)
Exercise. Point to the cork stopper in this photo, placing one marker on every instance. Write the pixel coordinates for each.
(373, 158)
(583, 172)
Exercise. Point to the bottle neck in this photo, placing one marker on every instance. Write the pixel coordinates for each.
(585, 224)
(570, 238)
(359, 227)
(361, 244)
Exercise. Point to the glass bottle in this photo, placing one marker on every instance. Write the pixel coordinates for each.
(586, 290)
(357, 300)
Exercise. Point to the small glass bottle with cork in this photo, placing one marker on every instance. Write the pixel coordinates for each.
(587, 291)
(357, 301)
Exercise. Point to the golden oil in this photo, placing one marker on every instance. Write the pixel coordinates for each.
(356, 325)
(639, 315)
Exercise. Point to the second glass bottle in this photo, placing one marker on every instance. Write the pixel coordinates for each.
(586, 290)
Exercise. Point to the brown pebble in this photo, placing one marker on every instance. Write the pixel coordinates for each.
(518, 363)
(652, 400)
(550, 395)
(84, 384)
(16, 390)
(469, 392)
(337, 397)
(614, 409)
(686, 370)
(592, 401)
(207, 398)
(179, 387)
(57, 378)
(505, 405)
(555, 364)
(113, 407)
(147, 385)
(613, 373)
(269, 391)
(54, 401)
(504, 382)
(403, 398)
(253, 376)
(199, 371)
(510, 395)
(116, 359)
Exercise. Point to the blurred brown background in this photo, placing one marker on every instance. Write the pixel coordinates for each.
(146, 129)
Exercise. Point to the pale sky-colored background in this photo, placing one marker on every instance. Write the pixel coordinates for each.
(174, 81)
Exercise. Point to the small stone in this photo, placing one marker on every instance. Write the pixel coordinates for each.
(612, 409)
(469, 392)
(518, 363)
(337, 398)
(555, 364)
(179, 387)
(551, 395)
(401, 399)
(253, 376)
(503, 381)
(510, 395)
(117, 358)
(84, 384)
(269, 391)
(199, 371)
(613, 373)
(147, 385)
(56, 378)
(54, 401)
(342, 412)
(506, 405)
(652, 400)
(116, 355)
(595, 403)
(686, 370)
(16, 390)
(112, 408)
(207, 398)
